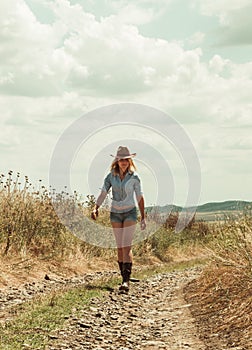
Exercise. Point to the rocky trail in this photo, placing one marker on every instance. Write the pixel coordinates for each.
(153, 315)
(13, 296)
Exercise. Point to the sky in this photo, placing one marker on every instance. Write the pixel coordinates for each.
(60, 60)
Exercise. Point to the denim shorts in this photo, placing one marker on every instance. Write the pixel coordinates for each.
(130, 215)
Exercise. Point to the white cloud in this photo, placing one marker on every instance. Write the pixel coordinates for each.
(9, 137)
(107, 56)
(196, 39)
(234, 19)
(225, 141)
(217, 64)
(78, 63)
(30, 128)
(141, 11)
(133, 14)
(110, 58)
(25, 51)
(218, 7)
(19, 28)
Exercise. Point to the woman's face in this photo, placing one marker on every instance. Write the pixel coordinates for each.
(123, 164)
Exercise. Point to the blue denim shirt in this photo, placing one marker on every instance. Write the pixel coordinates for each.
(123, 191)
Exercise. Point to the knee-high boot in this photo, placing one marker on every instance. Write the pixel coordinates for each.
(126, 272)
(120, 264)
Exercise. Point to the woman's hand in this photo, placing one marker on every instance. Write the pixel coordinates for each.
(143, 224)
(94, 214)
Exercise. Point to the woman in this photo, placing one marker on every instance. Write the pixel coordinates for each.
(123, 214)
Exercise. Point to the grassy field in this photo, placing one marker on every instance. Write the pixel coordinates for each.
(219, 215)
(30, 231)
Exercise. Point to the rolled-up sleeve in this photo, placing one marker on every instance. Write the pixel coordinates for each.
(107, 183)
(138, 188)
(105, 188)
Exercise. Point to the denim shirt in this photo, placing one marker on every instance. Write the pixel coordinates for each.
(123, 191)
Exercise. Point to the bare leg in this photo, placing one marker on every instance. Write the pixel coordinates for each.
(124, 235)
(127, 237)
(117, 230)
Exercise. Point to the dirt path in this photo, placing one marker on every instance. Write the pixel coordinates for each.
(14, 295)
(154, 315)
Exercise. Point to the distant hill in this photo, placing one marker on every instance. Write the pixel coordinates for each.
(209, 211)
(224, 206)
(164, 209)
(207, 207)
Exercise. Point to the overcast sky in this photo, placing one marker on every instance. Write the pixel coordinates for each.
(191, 59)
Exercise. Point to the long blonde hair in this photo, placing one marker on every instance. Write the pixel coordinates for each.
(115, 166)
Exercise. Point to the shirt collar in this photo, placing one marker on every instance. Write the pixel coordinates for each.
(129, 172)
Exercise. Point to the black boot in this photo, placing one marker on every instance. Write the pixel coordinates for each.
(126, 272)
(120, 264)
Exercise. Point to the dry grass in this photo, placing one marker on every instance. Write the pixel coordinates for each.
(222, 305)
(221, 298)
(30, 226)
(28, 221)
(33, 241)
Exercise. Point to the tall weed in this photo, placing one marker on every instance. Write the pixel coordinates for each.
(232, 243)
(27, 218)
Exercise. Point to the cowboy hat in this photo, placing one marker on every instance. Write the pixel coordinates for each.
(123, 153)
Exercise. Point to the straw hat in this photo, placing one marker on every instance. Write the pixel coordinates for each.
(123, 153)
